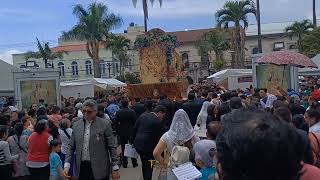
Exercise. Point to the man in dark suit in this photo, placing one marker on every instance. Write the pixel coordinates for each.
(125, 120)
(93, 141)
(164, 101)
(139, 107)
(146, 135)
(192, 108)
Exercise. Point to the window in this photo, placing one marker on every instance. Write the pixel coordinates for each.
(255, 50)
(88, 67)
(117, 67)
(205, 59)
(103, 67)
(75, 69)
(185, 60)
(49, 65)
(277, 46)
(61, 68)
(293, 46)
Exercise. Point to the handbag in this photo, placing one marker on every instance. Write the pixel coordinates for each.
(130, 151)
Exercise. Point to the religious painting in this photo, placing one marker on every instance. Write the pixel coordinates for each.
(271, 76)
(34, 90)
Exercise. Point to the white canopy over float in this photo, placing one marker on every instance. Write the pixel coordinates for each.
(87, 87)
(233, 78)
(311, 71)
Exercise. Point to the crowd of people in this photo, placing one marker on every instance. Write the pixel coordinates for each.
(245, 135)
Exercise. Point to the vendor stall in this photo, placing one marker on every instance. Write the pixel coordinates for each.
(232, 78)
(88, 87)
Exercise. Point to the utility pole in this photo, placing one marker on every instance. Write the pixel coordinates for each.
(259, 27)
(314, 14)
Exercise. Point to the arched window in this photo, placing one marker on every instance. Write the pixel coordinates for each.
(75, 69)
(61, 68)
(88, 67)
(185, 60)
(103, 67)
(255, 50)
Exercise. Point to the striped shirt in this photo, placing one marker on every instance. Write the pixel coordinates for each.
(5, 155)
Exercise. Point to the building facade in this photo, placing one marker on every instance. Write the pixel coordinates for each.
(78, 65)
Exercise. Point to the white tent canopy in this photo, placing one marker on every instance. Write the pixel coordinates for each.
(311, 71)
(103, 83)
(85, 88)
(224, 74)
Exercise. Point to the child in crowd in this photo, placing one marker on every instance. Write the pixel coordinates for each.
(56, 168)
(5, 155)
(205, 151)
(213, 129)
(27, 130)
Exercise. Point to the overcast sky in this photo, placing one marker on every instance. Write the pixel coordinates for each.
(24, 20)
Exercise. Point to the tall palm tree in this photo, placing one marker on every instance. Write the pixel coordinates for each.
(145, 11)
(44, 52)
(298, 29)
(236, 12)
(119, 46)
(314, 13)
(216, 41)
(94, 26)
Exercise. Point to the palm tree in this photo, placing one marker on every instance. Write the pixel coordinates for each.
(216, 41)
(119, 46)
(45, 53)
(145, 11)
(314, 13)
(94, 25)
(298, 29)
(236, 12)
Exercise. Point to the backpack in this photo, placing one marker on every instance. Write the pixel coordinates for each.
(315, 146)
(178, 156)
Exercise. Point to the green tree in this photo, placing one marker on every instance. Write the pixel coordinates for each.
(236, 12)
(119, 46)
(44, 52)
(310, 43)
(145, 11)
(299, 29)
(94, 26)
(216, 41)
(129, 77)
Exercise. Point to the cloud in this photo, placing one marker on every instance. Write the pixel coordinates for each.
(171, 9)
(271, 10)
(7, 55)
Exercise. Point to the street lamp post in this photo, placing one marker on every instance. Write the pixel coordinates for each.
(259, 27)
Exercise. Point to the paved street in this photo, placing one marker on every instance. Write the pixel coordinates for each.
(131, 173)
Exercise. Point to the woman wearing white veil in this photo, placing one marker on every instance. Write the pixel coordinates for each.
(201, 126)
(181, 133)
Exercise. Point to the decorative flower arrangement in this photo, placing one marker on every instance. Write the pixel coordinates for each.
(156, 36)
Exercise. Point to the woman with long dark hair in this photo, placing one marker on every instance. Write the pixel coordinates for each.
(38, 154)
(18, 145)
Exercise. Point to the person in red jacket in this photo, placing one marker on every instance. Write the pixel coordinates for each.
(38, 152)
